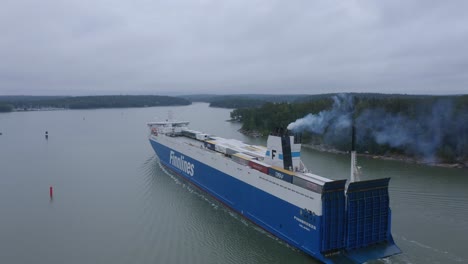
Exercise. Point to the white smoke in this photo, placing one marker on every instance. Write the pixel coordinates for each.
(338, 117)
(420, 134)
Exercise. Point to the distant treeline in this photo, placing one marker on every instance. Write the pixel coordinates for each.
(432, 128)
(242, 100)
(5, 108)
(237, 102)
(89, 102)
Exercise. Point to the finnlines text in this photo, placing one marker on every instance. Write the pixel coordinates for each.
(181, 164)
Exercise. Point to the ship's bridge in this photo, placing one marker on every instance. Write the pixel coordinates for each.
(167, 127)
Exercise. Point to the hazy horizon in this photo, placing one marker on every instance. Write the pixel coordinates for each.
(227, 94)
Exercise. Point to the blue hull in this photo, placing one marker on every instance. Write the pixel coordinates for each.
(276, 216)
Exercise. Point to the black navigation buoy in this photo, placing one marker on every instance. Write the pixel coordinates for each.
(47, 135)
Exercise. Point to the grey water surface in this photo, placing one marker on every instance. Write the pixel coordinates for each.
(113, 203)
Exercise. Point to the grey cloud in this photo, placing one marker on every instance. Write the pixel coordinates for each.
(180, 46)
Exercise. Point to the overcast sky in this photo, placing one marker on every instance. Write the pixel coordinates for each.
(83, 47)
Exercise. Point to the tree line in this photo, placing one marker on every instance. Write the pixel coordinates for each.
(431, 128)
(241, 100)
(89, 102)
(236, 102)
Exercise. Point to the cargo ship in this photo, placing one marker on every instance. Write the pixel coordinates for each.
(334, 221)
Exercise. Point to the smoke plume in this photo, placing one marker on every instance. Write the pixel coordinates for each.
(337, 117)
(421, 135)
(430, 129)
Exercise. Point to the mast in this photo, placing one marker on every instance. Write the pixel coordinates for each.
(354, 168)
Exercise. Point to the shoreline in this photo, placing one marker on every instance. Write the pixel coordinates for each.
(401, 158)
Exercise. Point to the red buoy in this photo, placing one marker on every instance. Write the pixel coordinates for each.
(51, 191)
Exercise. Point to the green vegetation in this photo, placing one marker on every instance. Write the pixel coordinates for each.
(431, 128)
(20, 98)
(236, 102)
(270, 115)
(5, 108)
(242, 100)
(90, 102)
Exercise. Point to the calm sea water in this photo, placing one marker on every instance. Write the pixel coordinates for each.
(113, 203)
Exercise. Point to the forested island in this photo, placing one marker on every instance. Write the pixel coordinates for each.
(4, 108)
(428, 129)
(237, 102)
(28, 103)
(242, 100)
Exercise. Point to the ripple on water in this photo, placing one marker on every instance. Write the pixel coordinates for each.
(217, 228)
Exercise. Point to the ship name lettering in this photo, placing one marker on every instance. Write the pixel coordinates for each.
(180, 163)
(305, 223)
